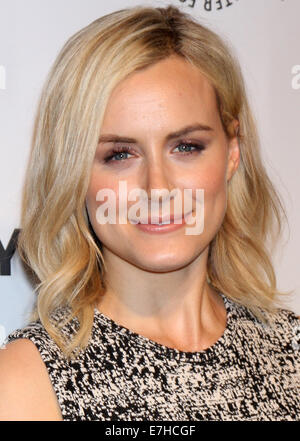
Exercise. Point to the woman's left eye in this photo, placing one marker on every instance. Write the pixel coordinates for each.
(188, 146)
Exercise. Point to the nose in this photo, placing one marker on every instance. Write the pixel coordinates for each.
(158, 185)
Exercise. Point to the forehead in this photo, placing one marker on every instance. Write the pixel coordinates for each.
(171, 88)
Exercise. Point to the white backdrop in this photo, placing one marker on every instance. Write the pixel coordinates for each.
(265, 34)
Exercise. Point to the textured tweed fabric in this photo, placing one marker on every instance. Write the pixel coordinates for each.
(252, 372)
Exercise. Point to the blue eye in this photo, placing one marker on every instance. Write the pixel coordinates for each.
(189, 145)
(116, 152)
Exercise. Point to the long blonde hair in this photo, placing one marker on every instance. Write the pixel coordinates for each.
(56, 240)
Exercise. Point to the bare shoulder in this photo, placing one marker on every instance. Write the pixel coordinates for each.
(26, 392)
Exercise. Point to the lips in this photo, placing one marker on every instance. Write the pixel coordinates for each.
(162, 220)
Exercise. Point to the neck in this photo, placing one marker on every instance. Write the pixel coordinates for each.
(178, 308)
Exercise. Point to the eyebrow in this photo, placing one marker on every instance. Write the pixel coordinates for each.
(177, 134)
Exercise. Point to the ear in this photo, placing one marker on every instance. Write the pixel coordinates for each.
(233, 149)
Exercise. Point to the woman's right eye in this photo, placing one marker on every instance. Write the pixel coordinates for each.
(121, 151)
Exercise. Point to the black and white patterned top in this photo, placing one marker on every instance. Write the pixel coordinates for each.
(251, 373)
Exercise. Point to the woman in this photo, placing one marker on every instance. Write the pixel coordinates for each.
(136, 321)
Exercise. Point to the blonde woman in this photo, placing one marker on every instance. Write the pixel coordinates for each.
(135, 320)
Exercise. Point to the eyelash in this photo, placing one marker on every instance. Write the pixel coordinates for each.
(126, 149)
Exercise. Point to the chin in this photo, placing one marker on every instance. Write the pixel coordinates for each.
(162, 263)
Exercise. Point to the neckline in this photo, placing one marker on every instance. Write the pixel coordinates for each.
(145, 343)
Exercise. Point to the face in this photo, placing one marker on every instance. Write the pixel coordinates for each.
(144, 111)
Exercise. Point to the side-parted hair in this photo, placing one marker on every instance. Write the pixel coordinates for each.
(56, 240)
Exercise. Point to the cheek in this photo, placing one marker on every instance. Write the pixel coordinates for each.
(101, 181)
(98, 182)
(211, 178)
(215, 182)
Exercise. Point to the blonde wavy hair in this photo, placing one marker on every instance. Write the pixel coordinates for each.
(57, 242)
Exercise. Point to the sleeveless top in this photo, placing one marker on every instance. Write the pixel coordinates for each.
(252, 372)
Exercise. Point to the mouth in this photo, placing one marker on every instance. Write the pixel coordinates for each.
(163, 226)
(166, 220)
